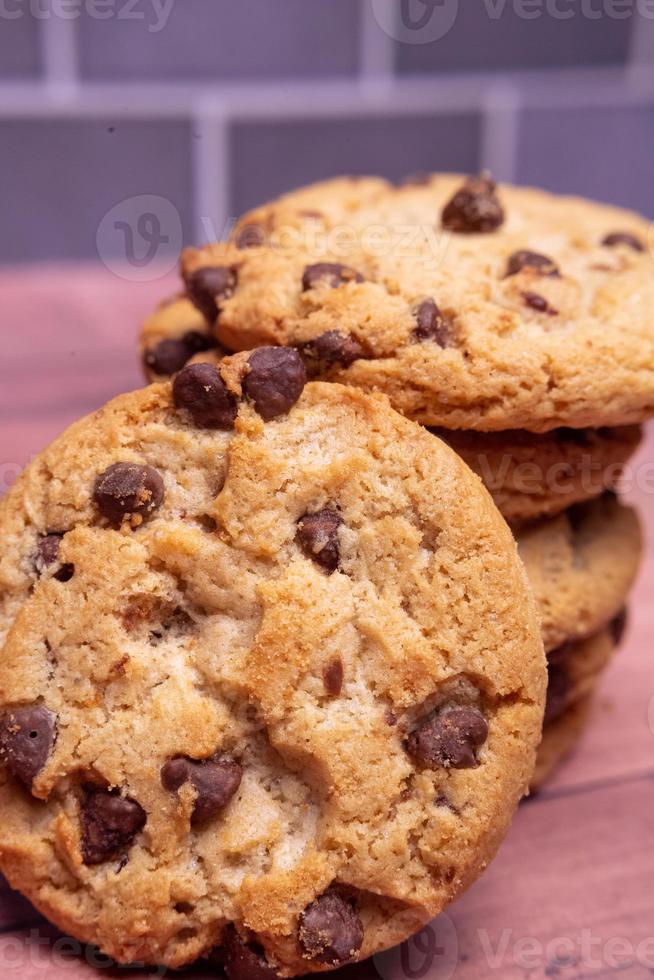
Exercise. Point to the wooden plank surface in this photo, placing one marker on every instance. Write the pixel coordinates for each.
(570, 895)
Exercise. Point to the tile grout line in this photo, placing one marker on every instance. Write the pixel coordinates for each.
(500, 131)
(376, 47)
(210, 138)
(376, 96)
(58, 38)
(641, 48)
(640, 60)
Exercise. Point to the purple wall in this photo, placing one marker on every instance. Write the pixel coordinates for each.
(213, 106)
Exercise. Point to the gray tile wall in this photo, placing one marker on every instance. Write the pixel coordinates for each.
(61, 176)
(221, 39)
(600, 152)
(19, 45)
(269, 157)
(213, 106)
(493, 34)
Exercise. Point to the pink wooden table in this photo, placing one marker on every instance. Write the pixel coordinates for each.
(572, 893)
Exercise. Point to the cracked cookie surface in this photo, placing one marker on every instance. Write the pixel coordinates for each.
(269, 686)
(509, 309)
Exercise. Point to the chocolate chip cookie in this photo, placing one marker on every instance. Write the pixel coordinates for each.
(272, 675)
(575, 670)
(575, 667)
(582, 566)
(534, 475)
(560, 739)
(174, 335)
(472, 306)
(530, 475)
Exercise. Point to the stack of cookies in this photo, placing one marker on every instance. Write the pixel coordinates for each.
(274, 672)
(514, 324)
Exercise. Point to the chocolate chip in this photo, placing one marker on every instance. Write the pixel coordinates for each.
(47, 551)
(332, 677)
(47, 554)
(537, 302)
(474, 208)
(331, 274)
(244, 960)
(208, 285)
(250, 236)
(170, 356)
(215, 782)
(558, 690)
(623, 238)
(331, 348)
(431, 324)
(167, 357)
(618, 626)
(27, 737)
(200, 390)
(128, 490)
(524, 259)
(318, 536)
(110, 823)
(449, 737)
(330, 930)
(275, 380)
